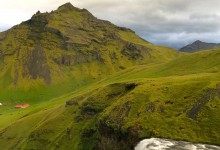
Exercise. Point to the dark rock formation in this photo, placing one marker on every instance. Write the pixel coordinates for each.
(36, 64)
(131, 51)
(112, 138)
(208, 95)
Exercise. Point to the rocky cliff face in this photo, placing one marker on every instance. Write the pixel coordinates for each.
(198, 46)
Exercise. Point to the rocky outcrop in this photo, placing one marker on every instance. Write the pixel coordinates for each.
(135, 51)
(36, 64)
(79, 58)
(207, 96)
(109, 136)
(131, 51)
(116, 139)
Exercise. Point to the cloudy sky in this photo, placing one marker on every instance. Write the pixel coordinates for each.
(166, 22)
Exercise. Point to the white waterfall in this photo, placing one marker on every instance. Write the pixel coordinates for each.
(165, 144)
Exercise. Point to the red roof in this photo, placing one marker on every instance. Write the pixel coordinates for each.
(22, 106)
(26, 105)
(18, 106)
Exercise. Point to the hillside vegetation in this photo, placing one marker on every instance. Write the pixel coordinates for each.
(55, 53)
(115, 113)
(93, 85)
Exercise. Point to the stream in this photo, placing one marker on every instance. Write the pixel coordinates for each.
(165, 144)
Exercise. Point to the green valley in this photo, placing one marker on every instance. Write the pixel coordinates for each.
(93, 85)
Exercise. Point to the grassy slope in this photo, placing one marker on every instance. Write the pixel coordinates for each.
(196, 63)
(158, 106)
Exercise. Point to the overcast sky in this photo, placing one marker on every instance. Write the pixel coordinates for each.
(166, 22)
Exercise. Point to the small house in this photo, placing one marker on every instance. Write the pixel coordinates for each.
(18, 106)
(0, 104)
(25, 105)
(22, 106)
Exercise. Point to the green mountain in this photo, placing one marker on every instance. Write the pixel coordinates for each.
(112, 92)
(68, 48)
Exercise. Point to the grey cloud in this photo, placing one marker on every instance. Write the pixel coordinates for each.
(167, 22)
(205, 16)
(4, 27)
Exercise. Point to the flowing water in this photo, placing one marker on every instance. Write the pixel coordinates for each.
(165, 144)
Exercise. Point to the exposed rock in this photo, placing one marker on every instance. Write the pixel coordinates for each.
(123, 112)
(132, 51)
(135, 51)
(78, 58)
(112, 138)
(207, 96)
(91, 107)
(36, 64)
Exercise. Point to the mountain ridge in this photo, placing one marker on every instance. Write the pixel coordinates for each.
(199, 46)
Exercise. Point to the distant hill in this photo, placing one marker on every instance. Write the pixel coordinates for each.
(199, 46)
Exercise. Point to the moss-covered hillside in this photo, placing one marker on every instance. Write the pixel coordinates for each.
(68, 48)
(94, 86)
(182, 103)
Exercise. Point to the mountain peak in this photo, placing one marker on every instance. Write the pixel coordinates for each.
(198, 41)
(67, 6)
(198, 46)
(77, 38)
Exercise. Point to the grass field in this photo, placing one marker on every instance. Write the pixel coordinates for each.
(178, 100)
